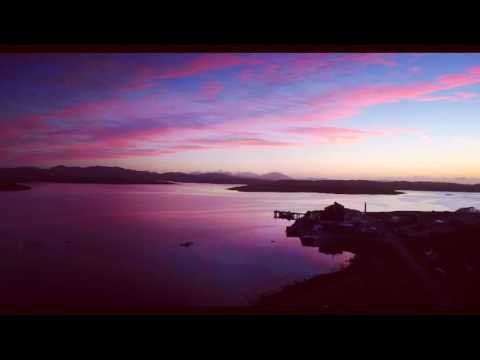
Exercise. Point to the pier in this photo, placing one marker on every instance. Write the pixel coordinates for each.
(289, 215)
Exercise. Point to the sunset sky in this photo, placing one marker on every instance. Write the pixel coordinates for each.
(325, 115)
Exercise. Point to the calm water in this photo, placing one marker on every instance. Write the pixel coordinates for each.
(117, 247)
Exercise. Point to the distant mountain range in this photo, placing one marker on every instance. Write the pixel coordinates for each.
(273, 176)
(93, 174)
(118, 175)
(271, 182)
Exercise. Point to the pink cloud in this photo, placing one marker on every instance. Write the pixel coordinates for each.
(371, 59)
(142, 81)
(466, 95)
(270, 67)
(454, 97)
(94, 151)
(426, 139)
(246, 75)
(240, 141)
(208, 62)
(211, 90)
(344, 104)
(298, 66)
(347, 103)
(109, 127)
(415, 70)
(335, 134)
(120, 127)
(267, 68)
(338, 135)
(199, 65)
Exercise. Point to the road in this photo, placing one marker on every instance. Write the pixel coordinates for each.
(429, 282)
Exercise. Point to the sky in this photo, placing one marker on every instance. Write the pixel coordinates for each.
(332, 115)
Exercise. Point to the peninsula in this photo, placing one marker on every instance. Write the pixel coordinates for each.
(114, 175)
(366, 187)
(271, 182)
(405, 262)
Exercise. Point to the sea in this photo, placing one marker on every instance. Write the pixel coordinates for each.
(145, 248)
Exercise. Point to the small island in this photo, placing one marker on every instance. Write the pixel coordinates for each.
(13, 187)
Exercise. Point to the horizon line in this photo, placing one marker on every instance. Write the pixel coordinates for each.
(302, 177)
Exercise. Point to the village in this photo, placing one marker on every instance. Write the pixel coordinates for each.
(404, 262)
(336, 222)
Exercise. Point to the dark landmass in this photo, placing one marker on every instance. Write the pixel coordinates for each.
(260, 183)
(93, 174)
(275, 176)
(322, 186)
(272, 176)
(434, 186)
(210, 178)
(418, 263)
(13, 187)
(367, 187)
(113, 175)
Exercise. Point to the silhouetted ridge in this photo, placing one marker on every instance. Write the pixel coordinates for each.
(212, 178)
(93, 174)
(322, 186)
(275, 176)
(262, 183)
(113, 175)
(355, 186)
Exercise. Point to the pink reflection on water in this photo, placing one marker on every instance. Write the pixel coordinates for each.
(79, 248)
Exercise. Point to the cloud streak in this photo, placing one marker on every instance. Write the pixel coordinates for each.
(338, 135)
(211, 101)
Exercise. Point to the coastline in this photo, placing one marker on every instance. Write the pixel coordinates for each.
(246, 188)
(13, 187)
(354, 187)
(430, 273)
(117, 175)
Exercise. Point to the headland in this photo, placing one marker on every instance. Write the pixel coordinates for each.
(406, 262)
(365, 187)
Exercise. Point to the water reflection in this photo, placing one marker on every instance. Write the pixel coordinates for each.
(335, 249)
(97, 246)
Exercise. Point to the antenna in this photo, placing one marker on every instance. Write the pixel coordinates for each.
(365, 208)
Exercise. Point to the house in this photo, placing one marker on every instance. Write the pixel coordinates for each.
(467, 210)
(335, 212)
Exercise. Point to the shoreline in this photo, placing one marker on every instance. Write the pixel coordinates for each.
(14, 187)
(118, 175)
(395, 273)
(355, 187)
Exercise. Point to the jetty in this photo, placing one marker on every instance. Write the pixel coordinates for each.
(289, 215)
